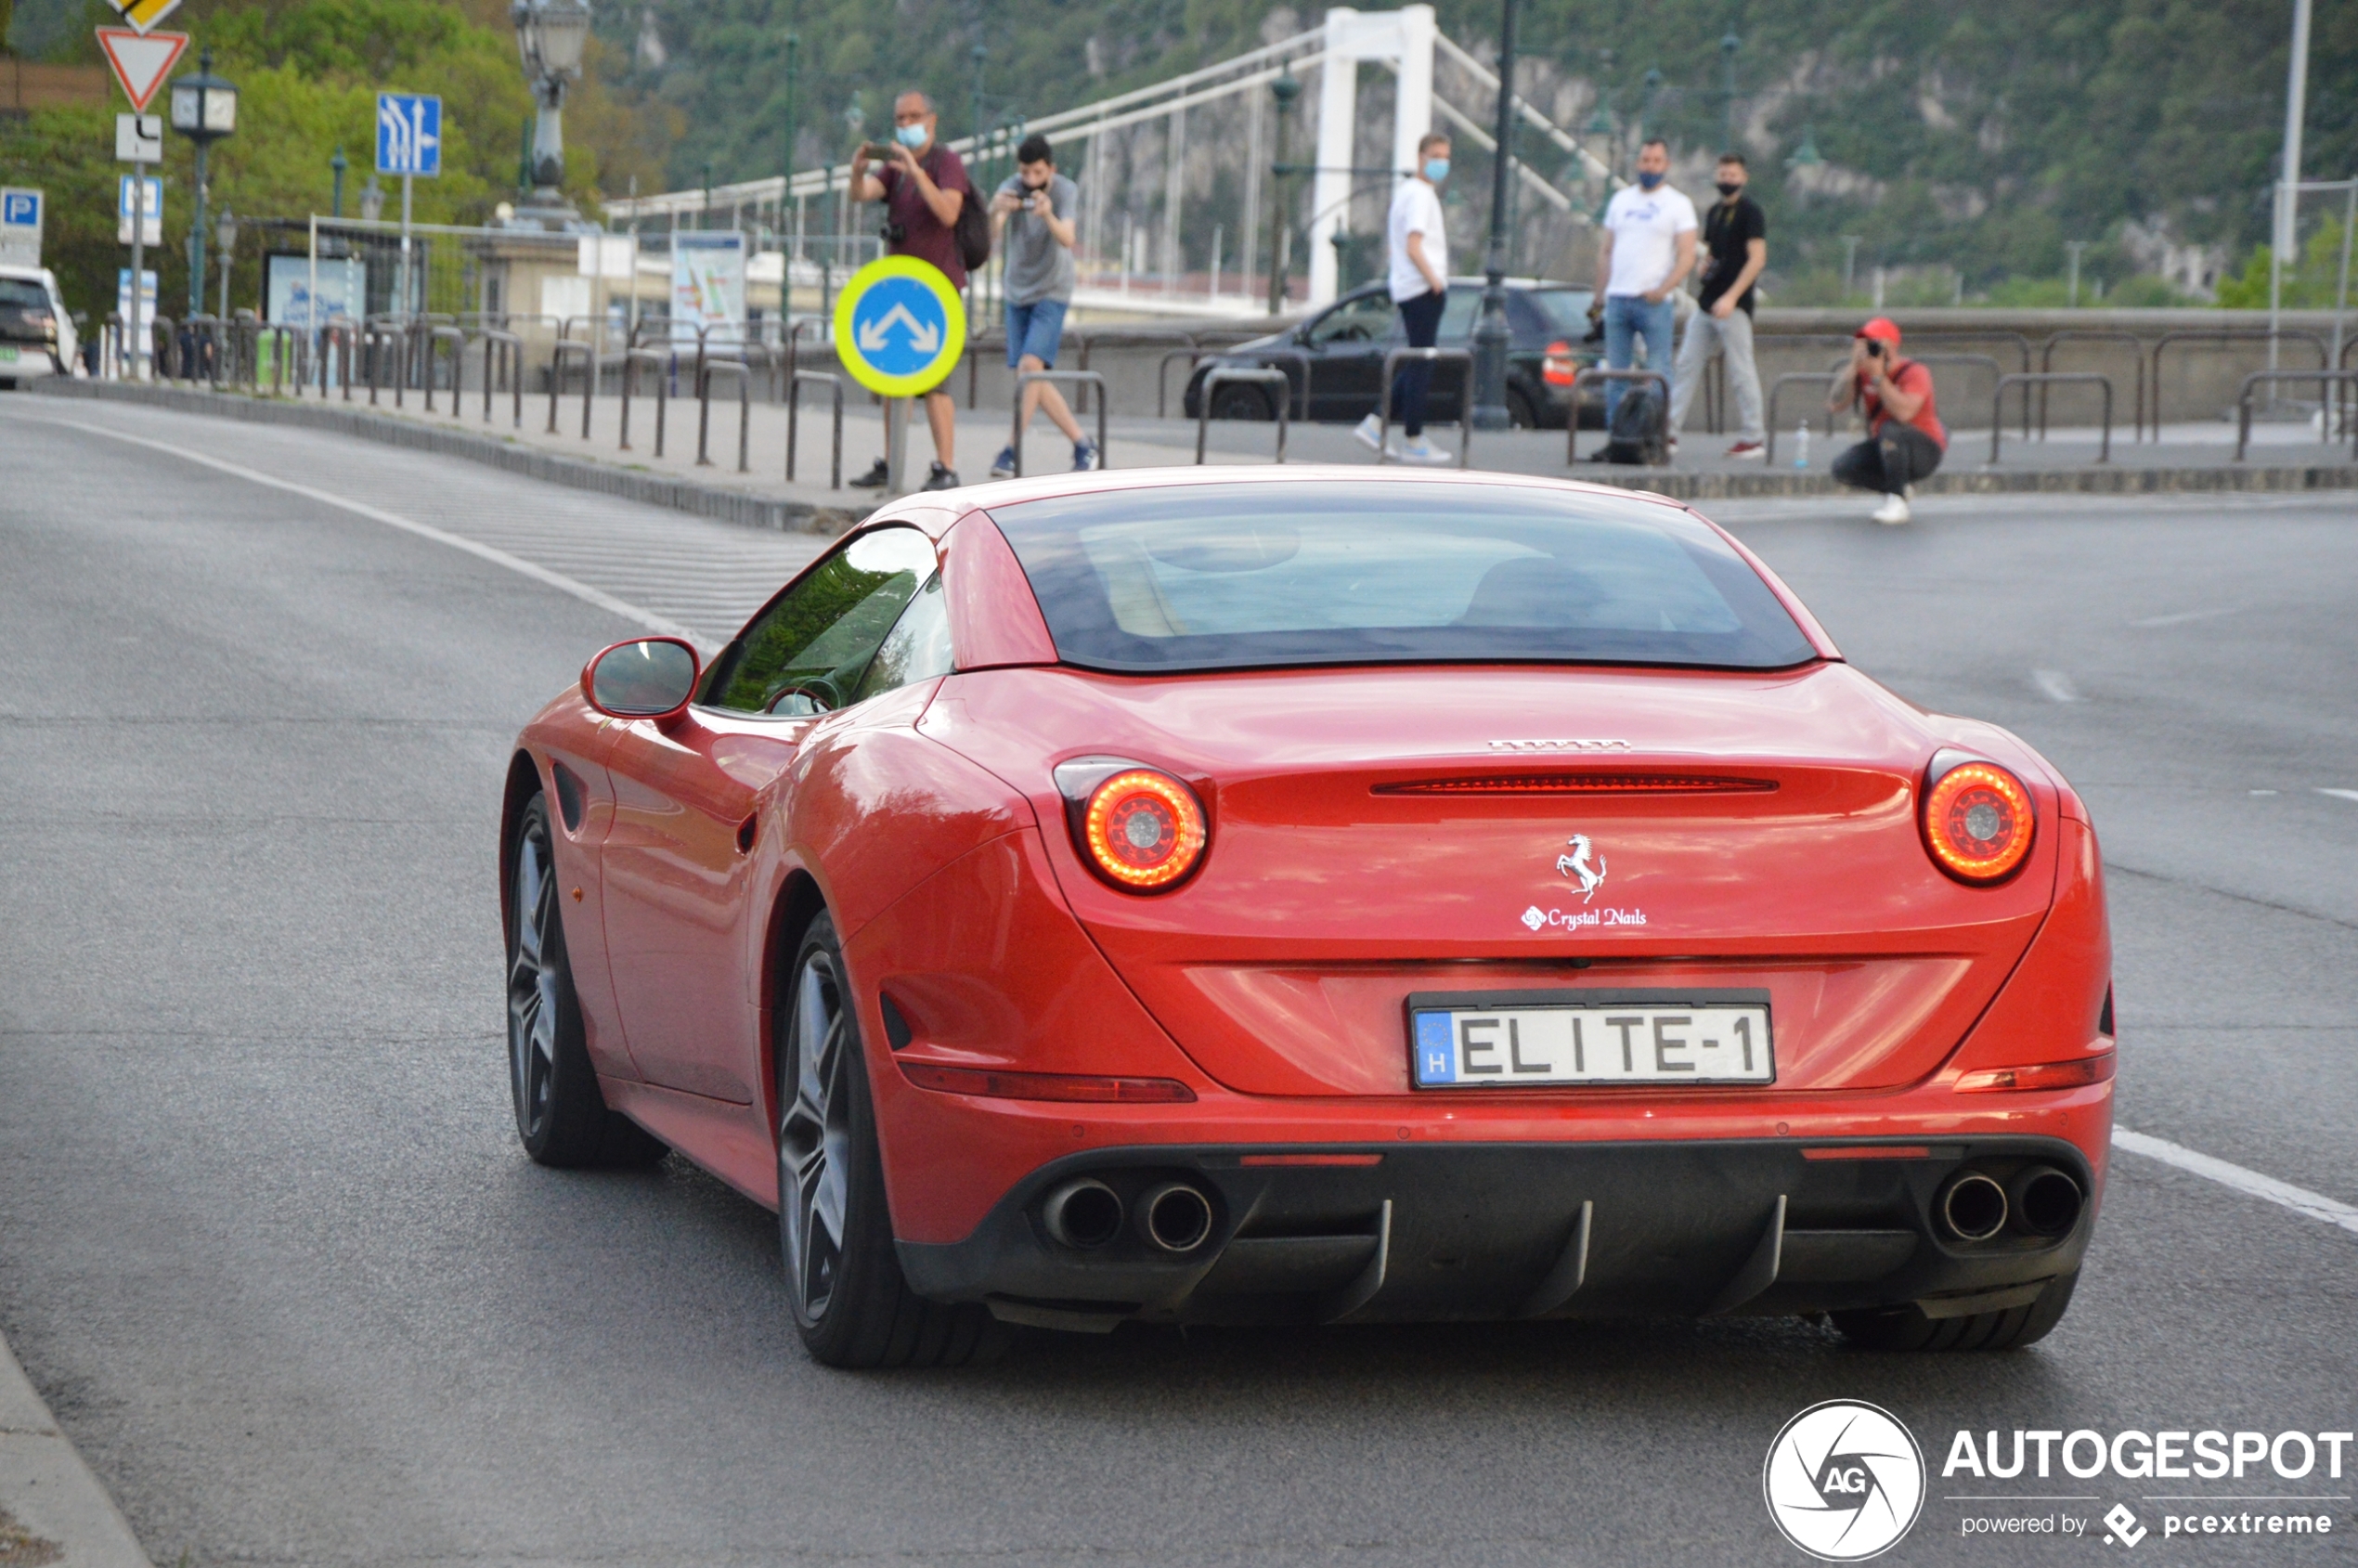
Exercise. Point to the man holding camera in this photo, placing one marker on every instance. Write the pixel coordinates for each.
(923, 185)
(1031, 221)
(1905, 440)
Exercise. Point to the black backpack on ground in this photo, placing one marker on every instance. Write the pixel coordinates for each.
(1640, 432)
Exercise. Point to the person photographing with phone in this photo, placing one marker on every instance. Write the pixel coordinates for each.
(925, 188)
(1031, 222)
(1905, 439)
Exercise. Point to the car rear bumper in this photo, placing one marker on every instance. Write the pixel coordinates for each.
(1318, 1233)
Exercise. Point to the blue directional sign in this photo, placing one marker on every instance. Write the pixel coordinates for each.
(899, 327)
(409, 135)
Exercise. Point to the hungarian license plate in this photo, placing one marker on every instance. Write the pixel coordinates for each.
(1528, 1039)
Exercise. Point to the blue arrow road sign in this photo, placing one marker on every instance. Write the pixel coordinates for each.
(409, 135)
(899, 326)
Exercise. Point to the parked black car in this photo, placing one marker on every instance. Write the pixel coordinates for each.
(1343, 348)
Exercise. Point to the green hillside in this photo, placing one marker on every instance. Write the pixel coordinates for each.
(1981, 135)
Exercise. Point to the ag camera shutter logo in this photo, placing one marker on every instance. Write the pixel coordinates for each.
(1844, 1481)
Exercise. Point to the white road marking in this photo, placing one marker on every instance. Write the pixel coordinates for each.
(2300, 1201)
(498, 557)
(2340, 794)
(2054, 685)
(2182, 616)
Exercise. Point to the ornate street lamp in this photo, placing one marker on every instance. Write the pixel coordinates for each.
(1491, 336)
(204, 110)
(225, 232)
(1286, 89)
(550, 37)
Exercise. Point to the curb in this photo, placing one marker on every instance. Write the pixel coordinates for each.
(2097, 481)
(678, 495)
(52, 1509)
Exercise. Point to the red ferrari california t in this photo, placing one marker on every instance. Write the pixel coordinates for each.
(1299, 896)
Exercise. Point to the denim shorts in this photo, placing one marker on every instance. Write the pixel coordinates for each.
(1035, 329)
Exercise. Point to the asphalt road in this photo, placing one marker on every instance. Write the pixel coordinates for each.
(268, 1247)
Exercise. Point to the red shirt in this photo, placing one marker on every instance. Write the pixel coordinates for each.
(1914, 380)
(923, 235)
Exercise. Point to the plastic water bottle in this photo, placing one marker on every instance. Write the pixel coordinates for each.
(1801, 447)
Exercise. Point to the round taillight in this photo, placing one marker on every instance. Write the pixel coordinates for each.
(1144, 829)
(1978, 819)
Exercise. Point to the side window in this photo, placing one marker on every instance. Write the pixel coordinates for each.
(810, 647)
(1366, 320)
(917, 649)
(1458, 312)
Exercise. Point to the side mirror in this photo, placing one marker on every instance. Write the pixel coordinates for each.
(649, 678)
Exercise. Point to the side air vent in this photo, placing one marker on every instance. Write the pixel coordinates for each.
(568, 795)
(1582, 784)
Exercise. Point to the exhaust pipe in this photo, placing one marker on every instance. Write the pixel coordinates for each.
(2045, 1201)
(1973, 1206)
(1174, 1217)
(1083, 1213)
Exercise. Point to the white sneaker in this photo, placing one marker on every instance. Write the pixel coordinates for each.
(1423, 451)
(1370, 433)
(1893, 512)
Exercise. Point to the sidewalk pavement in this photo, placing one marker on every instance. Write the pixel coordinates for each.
(53, 1511)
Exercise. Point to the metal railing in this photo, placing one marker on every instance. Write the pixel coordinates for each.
(1592, 373)
(1079, 379)
(2323, 379)
(660, 363)
(1193, 355)
(456, 338)
(2137, 365)
(2222, 337)
(2043, 380)
(1459, 357)
(834, 383)
(1823, 378)
(511, 353)
(558, 353)
(704, 372)
(1267, 375)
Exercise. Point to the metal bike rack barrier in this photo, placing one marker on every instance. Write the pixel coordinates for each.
(2137, 361)
(282, 359)
(558, 351)
(975, 347)
(333, 337)
(660, 363)
(818, 329)
(167, 359)
(207, 365)
(2324, 380)
(2221, 337)
(511, 353)
(1572, 426)
(457, 339)
(834, 383)
(1222, 375)
(744, 372)
(2043, 379)
(1399, 356)
(1823, 378)
(1135, 337)
(1194, 356)
(1079, 379)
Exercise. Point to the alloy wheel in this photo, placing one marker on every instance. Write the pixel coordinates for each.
(535, 982)
(814, 1138)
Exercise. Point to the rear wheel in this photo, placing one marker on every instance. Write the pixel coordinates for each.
(1907, 1328)
(560, 1116)
(851, 1303)
(1242, 403)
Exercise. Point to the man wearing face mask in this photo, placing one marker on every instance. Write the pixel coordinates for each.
(1645, 251)
(1419, 254)
(923, 185)
(1735, 243)
(1031, 223)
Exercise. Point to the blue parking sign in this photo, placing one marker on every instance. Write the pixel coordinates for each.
(409, 135)
(21, 209)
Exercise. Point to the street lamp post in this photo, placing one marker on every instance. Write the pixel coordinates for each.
(1286, 89)
(226, 232)
(339, 164)
(1729, 44)
(1490, 335)
(204, 110)
(550, 37)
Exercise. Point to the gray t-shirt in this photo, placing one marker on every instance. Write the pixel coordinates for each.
(1037, 268)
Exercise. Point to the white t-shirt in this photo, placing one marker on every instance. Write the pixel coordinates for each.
(1645, 226)
(1416, 209)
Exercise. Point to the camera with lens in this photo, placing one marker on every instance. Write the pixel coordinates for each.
(894, 233)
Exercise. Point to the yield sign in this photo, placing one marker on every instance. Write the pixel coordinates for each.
(141, 61)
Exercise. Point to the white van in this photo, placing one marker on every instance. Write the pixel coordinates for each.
(36, 335)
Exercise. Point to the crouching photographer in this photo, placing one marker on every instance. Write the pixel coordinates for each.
(1905, 440)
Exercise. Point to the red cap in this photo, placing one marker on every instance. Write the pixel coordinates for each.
(1882, 327)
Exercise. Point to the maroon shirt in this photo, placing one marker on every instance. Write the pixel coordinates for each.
(923, 235)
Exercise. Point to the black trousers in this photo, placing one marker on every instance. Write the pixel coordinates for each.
(1421, 316)
(1891, 461)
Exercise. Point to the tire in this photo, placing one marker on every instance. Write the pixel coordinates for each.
(1520, 415)
(1907, 1328)
(1242, 403)
(851, 1303)
(560, 1117)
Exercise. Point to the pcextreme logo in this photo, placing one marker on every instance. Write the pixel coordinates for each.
(1844, 1481)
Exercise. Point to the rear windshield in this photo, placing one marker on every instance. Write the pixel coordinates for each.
(1566, 310)
(18, 294)
(1227, 576)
